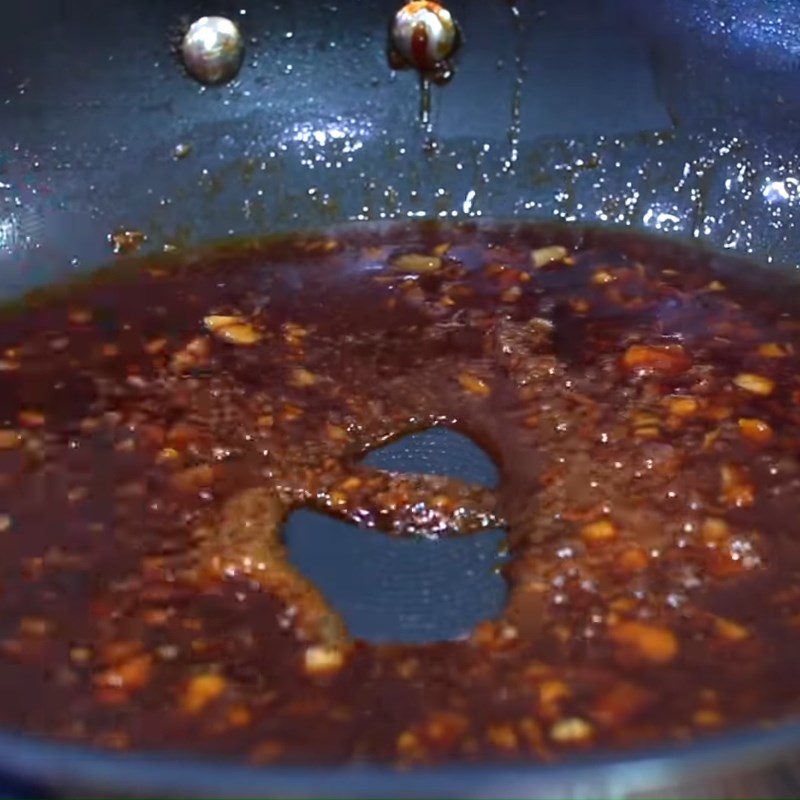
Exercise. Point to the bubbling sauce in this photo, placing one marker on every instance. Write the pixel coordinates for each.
(159, 423)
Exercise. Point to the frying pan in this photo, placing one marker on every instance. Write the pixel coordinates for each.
(678, 117)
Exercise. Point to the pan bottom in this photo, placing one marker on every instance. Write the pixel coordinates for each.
(280, 478)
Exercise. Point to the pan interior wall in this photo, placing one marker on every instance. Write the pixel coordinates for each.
(674, 116)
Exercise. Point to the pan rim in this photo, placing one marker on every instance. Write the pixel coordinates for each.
(70, 768)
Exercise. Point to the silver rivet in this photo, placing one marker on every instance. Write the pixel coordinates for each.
(423, 35)
(212, 50)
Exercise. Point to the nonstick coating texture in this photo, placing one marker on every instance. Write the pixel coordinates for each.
(679, 117)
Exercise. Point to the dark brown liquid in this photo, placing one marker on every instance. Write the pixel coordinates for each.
(642, 407)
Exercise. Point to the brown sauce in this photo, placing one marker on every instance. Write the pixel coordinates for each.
(159, 424)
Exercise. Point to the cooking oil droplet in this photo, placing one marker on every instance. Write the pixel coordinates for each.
(181, 150)
(124, 241)
(212, 50)
(422, 35)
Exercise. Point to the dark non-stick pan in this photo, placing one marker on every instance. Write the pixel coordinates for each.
(678, 117)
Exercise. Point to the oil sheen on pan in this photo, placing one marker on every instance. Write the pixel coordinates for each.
(161, 421)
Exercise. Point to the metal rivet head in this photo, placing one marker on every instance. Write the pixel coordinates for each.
(212, 50)
(423, 35)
